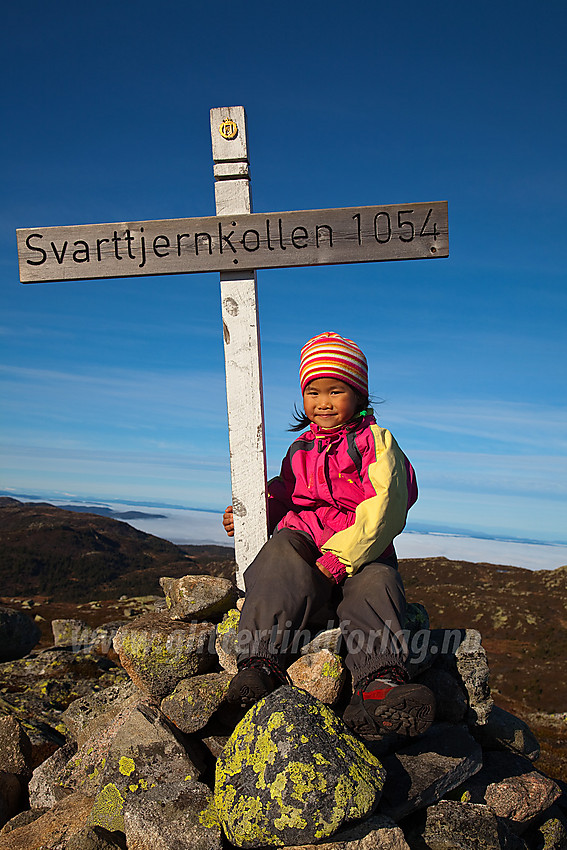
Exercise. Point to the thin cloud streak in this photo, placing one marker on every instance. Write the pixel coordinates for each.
(512, 423)
(148, 399)
(64, 453)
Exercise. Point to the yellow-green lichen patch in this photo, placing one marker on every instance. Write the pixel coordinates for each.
(332, 669)
(249, 815)
(291, 816)
(107, 810)
(229, 622)
(209, 817)
(305, 780)
(126, 766)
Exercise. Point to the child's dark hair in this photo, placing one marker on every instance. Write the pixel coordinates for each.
(301, 422)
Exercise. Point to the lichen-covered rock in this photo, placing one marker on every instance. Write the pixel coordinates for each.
(84, 638)
(157, 653)
(521, 799)
(466, 826)
(197, 597)
(226, 645)
(102, 639)
(504, 731)
(322, 674)
(173, 816)
(69, 632)
(18, 634)
(472, 665)
(53, 830)
(44, 788)
(375, 833)
(136, 752)
(15, 748)
(421, 773)
(54, 665)
(194, 701)
(39, 687)
(330, 640)
(512, 789)
(93, 712)
(550, 834)
(292, 773)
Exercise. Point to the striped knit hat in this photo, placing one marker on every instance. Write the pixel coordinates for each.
(329, 355)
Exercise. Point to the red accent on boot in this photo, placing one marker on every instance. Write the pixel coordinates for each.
(380, 693)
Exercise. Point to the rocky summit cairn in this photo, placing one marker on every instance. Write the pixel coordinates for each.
(140, 751)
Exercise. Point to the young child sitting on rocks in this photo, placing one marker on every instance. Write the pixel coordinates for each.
(342, 496)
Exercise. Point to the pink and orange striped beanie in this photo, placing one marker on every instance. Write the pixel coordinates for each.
(330, 355)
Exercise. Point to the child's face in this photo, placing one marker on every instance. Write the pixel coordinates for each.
(328, 402)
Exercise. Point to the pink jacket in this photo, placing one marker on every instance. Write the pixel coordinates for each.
(350, 490)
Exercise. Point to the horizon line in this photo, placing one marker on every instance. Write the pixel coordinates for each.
(411, 528)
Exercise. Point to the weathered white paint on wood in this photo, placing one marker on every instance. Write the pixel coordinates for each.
(234, 240)
(242, 356)
(225, 170)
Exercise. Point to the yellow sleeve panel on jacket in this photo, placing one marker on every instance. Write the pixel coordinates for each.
(381, 517)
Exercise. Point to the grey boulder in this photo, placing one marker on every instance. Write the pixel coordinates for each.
(173, 816)
(18, 634)
(292, 773)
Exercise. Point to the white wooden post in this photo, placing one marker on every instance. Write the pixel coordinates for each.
(241, 345)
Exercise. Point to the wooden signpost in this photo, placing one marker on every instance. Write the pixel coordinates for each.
(236, 242)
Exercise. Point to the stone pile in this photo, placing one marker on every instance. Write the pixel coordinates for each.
(157, 760)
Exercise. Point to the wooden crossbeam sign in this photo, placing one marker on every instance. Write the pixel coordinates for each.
(236, 242)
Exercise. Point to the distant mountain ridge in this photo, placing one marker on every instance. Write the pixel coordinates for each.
(50, 551)
(100, 511)
(50, 498)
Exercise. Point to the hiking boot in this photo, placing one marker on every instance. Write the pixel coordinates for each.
(384, 706)
(257, 678)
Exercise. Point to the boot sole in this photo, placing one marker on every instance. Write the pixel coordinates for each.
(408, 710)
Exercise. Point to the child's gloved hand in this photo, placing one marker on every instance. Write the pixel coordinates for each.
(228, 521)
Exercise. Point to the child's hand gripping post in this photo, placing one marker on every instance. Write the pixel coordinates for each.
(228, 521)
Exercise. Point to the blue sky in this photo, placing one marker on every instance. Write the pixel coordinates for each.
(115, 389)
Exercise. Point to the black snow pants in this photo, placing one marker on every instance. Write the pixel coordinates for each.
(288, 600)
